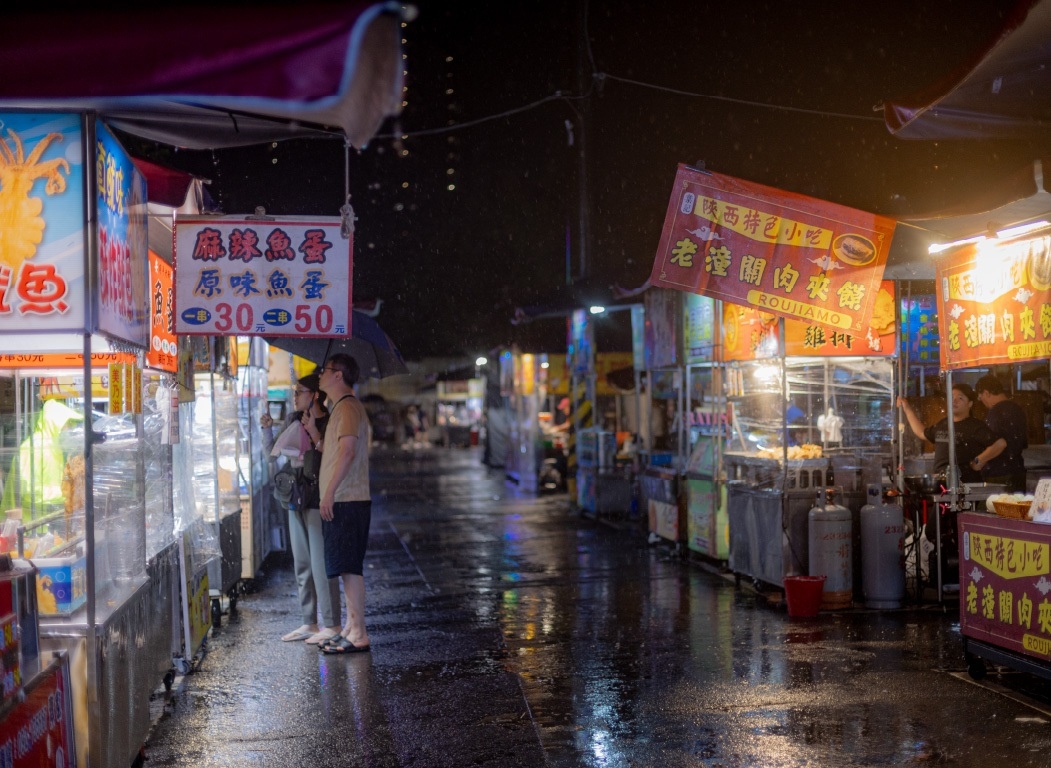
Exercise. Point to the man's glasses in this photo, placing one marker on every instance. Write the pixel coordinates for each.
(329, 369)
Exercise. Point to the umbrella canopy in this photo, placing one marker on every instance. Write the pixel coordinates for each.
(211, 77)
(1004, 91)
(375, 353)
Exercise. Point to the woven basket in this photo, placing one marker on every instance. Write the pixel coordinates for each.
(1018, 511)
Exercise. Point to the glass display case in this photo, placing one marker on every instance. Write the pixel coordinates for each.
(49, 414)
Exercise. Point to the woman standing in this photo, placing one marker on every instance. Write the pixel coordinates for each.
(303, 433)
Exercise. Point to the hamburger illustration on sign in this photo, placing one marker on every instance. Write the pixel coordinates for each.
(855, 250)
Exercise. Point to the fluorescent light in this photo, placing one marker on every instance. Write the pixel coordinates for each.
(481, 361)
(545, 364)
(939, 247)
(597, 310)
(1021, 229)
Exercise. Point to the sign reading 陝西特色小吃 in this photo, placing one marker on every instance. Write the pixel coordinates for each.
(785, 254)
(272, 276)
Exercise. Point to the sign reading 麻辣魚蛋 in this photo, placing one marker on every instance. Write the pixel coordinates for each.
(272, 276)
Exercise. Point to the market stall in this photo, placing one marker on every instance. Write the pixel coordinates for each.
(706, 426)
(992, 297)
(79, 466)
(808, 329)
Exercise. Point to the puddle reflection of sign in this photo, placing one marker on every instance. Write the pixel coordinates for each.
(789, 255)
(249, 277)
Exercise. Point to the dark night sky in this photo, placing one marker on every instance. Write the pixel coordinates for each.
(452, 264)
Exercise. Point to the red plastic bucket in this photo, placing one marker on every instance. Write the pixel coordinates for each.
(803, 594)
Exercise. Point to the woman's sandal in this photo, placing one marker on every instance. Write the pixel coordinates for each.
(340, 644)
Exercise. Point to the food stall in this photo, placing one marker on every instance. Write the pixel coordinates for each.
(706, 426)
(523, 381)
(993, 296)
(808, 328)
(661, 428)
(78, 464)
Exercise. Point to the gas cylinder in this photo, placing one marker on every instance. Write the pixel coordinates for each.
(830, 542)
(882, 551)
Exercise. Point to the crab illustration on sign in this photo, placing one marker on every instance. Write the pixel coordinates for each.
(21, 226)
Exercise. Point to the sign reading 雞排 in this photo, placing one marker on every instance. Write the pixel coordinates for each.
(785, 254)
(272, 276)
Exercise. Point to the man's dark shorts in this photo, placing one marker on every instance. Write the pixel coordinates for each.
(346, 537)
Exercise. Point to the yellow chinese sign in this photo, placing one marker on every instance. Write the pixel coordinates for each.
(994, 303)
(781, 253)
(1004, 584)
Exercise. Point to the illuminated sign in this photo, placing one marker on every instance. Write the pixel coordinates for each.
(252, 277)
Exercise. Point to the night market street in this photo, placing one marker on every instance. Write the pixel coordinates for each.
(508, 631)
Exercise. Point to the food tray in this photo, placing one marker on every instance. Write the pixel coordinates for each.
(1018, 511)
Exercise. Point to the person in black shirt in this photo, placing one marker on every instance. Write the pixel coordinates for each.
(972, 435)
(1002, 462)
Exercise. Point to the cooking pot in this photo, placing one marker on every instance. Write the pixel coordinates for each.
(925, 483)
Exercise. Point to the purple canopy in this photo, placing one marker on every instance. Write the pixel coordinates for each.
(1005, 91)
(209, 77)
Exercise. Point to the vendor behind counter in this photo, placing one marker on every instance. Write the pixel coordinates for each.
(974, 439)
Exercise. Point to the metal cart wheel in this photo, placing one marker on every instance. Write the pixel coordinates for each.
(217, 613)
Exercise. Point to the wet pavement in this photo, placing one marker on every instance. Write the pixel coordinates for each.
(509, 631)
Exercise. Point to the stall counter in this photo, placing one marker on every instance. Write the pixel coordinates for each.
(1005, 574)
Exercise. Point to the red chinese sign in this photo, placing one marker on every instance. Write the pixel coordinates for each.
(266, 276)
(39, 730)
(162, 352)
(781, 253)
(1004, 583)
(994, 303)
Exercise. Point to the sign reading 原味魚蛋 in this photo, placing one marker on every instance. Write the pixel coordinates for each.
(785, 254)
(272, 276)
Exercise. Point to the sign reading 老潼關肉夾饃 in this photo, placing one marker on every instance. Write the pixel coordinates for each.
(121, 205)
(1005, 583)
(42, 202)
(781, 253)
(994, 303)
(262, 276)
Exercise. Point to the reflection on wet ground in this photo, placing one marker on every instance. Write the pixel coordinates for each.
(508, 631)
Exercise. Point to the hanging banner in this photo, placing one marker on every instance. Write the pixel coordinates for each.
(162, 353)
(121, 205)
(994, 303)
(782, 253)
(276, 276)
(581, 342)
(752, 335)
(42, 256)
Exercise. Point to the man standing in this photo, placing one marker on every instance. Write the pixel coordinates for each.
(346, 506)
(1002, 462)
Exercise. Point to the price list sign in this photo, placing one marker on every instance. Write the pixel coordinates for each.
(271, 276)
